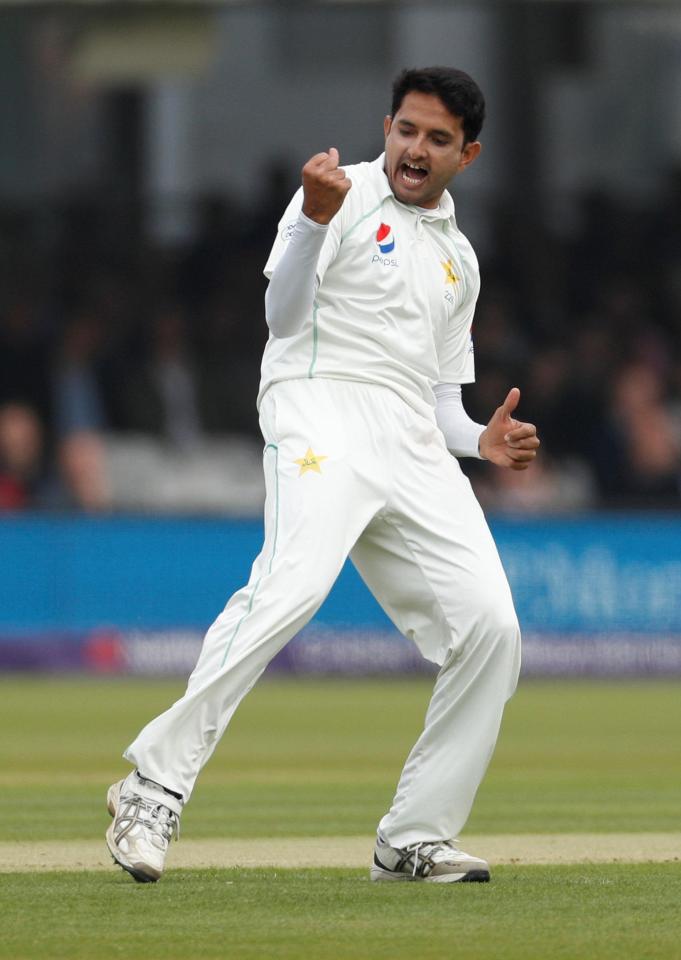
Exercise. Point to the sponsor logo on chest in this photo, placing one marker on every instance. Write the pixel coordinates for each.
(385, 240)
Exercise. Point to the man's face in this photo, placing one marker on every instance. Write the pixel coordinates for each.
(424, 149)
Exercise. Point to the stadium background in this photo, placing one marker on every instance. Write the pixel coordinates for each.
(148, 152)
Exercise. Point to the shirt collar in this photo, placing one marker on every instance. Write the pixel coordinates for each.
(444, 212)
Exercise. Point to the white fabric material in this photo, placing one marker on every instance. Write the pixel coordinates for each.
(351, 468)
(462, 435)
(289, 299)
(396, 293)
(291, 290)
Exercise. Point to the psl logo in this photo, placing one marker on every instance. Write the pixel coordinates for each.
(385, 238)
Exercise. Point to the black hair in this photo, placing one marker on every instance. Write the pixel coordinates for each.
(458, 92)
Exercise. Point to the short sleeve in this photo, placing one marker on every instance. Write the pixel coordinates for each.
(285, 232)
(457, 357)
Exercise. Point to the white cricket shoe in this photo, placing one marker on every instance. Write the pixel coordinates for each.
(436, 861)
(145, 819)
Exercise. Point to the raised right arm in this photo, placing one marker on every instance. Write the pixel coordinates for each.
(292, 286)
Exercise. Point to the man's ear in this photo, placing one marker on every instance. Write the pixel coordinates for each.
(469, 153)
(387, 124)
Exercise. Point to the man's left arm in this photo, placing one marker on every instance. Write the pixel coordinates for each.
(461, 434)
(505, 441)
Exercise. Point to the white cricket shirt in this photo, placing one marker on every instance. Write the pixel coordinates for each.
(396, 293)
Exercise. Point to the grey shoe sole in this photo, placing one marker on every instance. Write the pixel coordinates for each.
(380, 875)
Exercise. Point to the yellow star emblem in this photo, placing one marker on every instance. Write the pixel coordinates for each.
(310, 461)
(448, 267)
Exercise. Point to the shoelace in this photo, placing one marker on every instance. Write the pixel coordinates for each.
(152, 815)
(428, 847)
(417, 847)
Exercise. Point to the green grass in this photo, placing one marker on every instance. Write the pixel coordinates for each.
(312, 758)
(533, 913)
(321, 758)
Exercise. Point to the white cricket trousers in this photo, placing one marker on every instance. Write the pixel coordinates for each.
(351, 468)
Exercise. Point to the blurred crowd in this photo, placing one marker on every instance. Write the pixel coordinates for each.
(106, 333)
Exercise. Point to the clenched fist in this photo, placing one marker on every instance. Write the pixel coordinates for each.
(324, 186)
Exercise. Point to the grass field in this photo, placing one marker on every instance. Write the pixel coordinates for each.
(311, 759)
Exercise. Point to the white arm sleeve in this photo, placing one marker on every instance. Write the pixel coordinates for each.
(292, 287)
(460, 432)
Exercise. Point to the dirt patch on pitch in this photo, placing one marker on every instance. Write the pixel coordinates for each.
(349, 851)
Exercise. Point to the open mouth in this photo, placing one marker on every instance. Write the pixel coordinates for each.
(412, 174)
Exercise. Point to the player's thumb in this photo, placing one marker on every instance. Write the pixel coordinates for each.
(510, 403)
(334, 156)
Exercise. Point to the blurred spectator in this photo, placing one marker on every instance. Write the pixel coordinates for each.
(80, 415)
(82, 466)
(638, 454)
(21, 457)
(555, 487)
(78, 398)
(24, 354)
(163, 393)
(587, 322)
